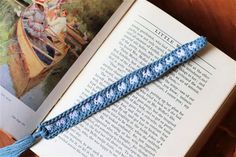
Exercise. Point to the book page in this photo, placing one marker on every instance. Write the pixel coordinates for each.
(163, 118)
(36, 69)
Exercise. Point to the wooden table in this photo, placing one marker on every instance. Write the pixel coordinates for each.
(215, 19)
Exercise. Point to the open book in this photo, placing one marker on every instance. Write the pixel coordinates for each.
(165, 118)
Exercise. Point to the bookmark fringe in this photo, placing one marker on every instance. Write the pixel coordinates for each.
(17, 148)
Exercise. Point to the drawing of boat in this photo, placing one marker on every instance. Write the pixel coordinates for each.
(34, 62)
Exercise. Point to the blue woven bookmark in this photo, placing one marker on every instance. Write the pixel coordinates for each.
(106, 97)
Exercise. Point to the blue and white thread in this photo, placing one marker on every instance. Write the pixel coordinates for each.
(119, 89)
(107, 96)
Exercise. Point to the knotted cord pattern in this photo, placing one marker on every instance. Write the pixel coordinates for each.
(119, 89)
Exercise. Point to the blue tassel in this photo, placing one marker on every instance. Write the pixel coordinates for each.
(20, 146)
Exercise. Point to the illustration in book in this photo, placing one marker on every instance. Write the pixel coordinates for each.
(41, 39)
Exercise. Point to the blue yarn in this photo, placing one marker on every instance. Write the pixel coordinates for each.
(121, 88)
(106, 97)
(20, 146)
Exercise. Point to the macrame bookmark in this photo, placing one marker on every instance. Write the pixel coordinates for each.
(106, 97)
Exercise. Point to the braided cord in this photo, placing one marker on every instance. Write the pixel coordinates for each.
(119, 89)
